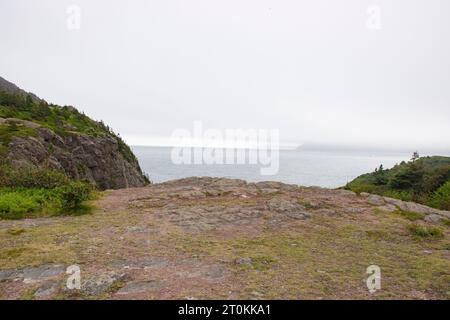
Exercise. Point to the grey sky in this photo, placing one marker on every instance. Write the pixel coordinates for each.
(309, 68)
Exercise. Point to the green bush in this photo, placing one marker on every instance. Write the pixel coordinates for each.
(408, 177)
(32, 178)
(402, 195)
(441, 198)
(74, 194)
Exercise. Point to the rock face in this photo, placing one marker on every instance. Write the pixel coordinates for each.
(97, 159)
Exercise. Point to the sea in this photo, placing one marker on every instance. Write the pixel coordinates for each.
(329, 169)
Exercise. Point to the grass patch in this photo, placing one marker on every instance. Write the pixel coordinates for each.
(425, 232)
(446, 222)
(377, 234)
(15, 231)
(312, 206)
(13, 129)
(82, 209)
(410, 215)
(28, 294)
(306, 204)
(261, 262)
(11, 254)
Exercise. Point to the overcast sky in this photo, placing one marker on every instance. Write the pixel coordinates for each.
(320, 71)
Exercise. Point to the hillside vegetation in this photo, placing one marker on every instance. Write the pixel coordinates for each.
(63, 121)
(53, 157)
(34, 192)
(424, 180)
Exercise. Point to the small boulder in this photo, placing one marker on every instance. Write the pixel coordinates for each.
(46, 290)
(352, 210)
(435, 218)
(288, 207)
(415, 207)
(101, 284)
(34, 274)
(375, 200)
(388, 208)
(10, 274)
(327, 212)
(244, 261)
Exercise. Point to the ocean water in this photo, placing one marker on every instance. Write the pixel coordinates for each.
(307, 168)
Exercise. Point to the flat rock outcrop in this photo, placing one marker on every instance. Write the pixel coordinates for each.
(208, 238)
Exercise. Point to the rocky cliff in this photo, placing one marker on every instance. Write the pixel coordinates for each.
(35, 133)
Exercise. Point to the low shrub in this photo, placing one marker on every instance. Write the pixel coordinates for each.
(32, 178)
(426, 232)
(74, 194)
(441, 198)
(402, 195)
(52, 195)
